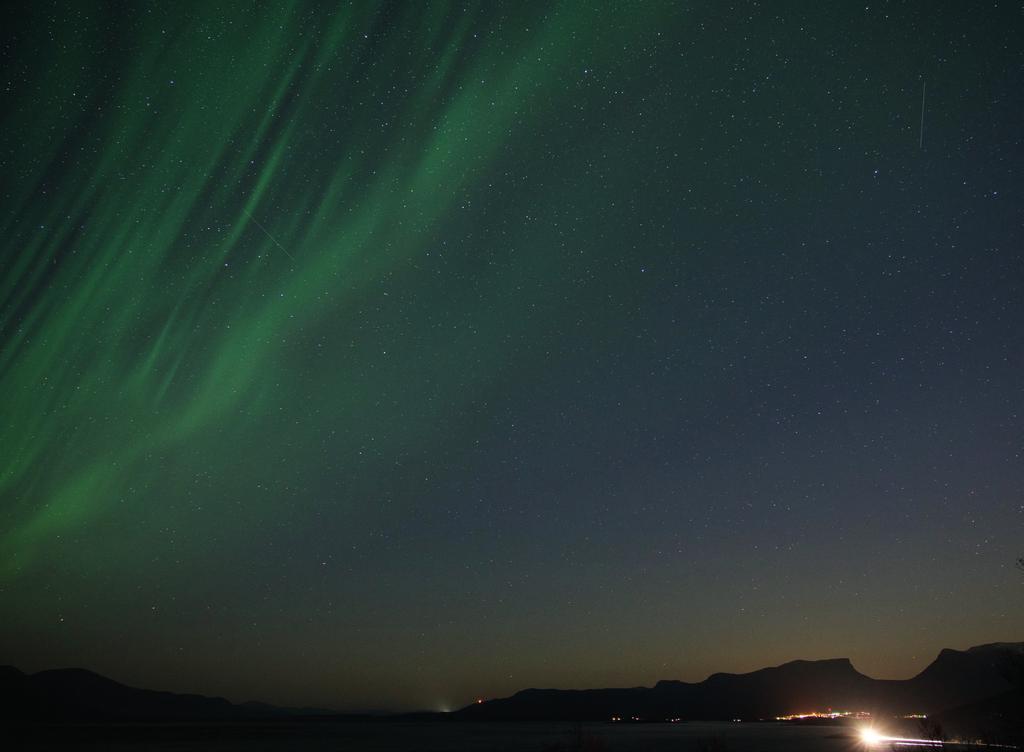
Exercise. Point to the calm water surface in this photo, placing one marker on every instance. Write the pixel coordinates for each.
(467, 737)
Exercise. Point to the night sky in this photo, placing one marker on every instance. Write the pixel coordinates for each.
(387, 355)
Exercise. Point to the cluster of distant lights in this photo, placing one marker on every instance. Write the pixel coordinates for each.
(870, 736)
(638, 719)
(832, 714)
(857, 715)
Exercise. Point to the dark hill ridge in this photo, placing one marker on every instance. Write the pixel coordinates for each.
(74, 694)
(955, 678)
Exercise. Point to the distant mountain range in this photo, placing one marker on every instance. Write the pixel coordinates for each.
(956, 678)
(74, 694)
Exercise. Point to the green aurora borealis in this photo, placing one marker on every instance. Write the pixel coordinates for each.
(390, 354)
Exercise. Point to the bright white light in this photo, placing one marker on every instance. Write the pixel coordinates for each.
(870, 737)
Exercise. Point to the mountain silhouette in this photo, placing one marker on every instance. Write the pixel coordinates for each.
(74, 694)
(973, 678)
(955, 678)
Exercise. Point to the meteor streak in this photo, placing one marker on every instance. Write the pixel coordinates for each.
(256, 221)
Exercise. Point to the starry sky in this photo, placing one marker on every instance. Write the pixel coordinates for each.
(387, 355)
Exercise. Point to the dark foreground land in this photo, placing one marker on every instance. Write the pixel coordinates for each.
(437, 735)
(393, 736)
